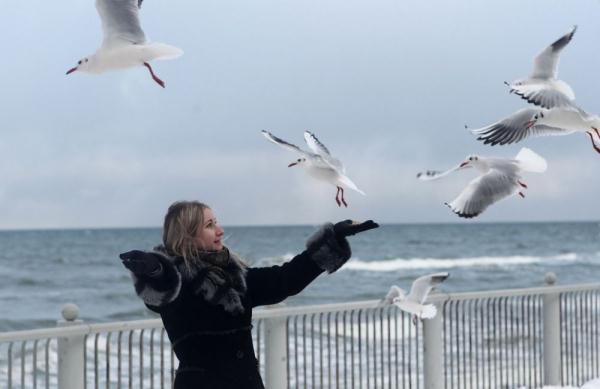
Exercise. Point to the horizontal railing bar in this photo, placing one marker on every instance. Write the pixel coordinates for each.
(81, 329)
(542, 290)
(275, 312)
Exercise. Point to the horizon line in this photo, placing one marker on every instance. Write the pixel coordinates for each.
(459, 222)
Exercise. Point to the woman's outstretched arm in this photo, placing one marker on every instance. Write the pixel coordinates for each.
(326, 250)
(156, 279)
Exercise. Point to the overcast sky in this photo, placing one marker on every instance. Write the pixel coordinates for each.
(387, 86)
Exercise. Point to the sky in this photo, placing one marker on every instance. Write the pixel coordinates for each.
(386, 85)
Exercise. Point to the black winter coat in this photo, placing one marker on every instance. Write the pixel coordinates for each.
(207, 310)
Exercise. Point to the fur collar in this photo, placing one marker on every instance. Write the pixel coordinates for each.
(218, 277)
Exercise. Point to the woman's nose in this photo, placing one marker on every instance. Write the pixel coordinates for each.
(220, 231)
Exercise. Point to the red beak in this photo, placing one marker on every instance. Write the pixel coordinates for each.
(292, 164)
(71, 70)
(463, 164)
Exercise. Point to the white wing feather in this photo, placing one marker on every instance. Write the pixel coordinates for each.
(423, 285)
(483, 192)
(120, 22)
(545, 64)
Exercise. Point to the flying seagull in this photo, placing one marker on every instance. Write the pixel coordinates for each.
(124, 42)
(532, 122)
(542, 87)
(414, 302)
(319, 164)
(498, 179)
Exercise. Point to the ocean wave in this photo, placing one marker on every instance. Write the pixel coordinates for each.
(276, 260)
(447, 263)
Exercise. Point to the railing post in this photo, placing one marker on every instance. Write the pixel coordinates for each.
(276, 374)
(70, 352)
(551, 334)
(433, 369)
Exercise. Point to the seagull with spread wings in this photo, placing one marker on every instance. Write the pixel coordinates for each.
(498, 179)
(124, 42)
(555, 113)
(319, 164)
(413, 303)
(542, 87)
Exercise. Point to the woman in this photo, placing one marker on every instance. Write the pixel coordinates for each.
(205, 293)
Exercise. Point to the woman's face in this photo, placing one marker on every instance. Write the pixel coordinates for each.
(208, 236)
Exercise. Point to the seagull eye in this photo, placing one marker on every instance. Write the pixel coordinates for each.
(79, 63)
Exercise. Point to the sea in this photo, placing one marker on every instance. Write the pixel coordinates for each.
(42, 270)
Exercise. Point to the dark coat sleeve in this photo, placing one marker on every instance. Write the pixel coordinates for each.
(271, 285)
(158, 291)
(324, 252)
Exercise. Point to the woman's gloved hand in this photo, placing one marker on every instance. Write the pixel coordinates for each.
(329, 247)
(142, 263)
(349, 227)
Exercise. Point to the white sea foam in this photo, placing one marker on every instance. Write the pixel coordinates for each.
(276, 260)
(447, 263)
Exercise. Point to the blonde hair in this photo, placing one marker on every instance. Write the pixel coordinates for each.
(181, 224)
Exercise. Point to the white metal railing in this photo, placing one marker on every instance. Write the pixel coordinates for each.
(496, 339)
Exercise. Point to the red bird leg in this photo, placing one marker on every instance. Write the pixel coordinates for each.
(337, 200)
(158, 80)
(344, 201)
(522, 184)
(593, 143)
(521, 194)
(597, 133)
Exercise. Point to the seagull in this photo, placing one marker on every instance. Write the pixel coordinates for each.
(413, 303)
(531, 122)
(499, 178)
(542, 88)
(319, 164)
(124, 42)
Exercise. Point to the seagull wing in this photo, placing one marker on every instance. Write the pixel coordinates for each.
(393, 293)
(315, 144)
(423, 285)
(284, 144)
(484, 191)
(514, 128)
(544, 94)
(120, 22)
(319, 148)
(545, 64)
(430, 175)
(345, 180)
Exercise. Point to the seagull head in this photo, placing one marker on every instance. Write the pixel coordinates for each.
(299, 161)
(538, 116)
(82, 65)
(470, 161)
(399, 295)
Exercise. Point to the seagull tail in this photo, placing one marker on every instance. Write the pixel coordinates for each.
(428, 312)
(348, 182)
(162, 51)
(530, 161)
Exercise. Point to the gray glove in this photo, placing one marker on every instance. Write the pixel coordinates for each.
(141, 263)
